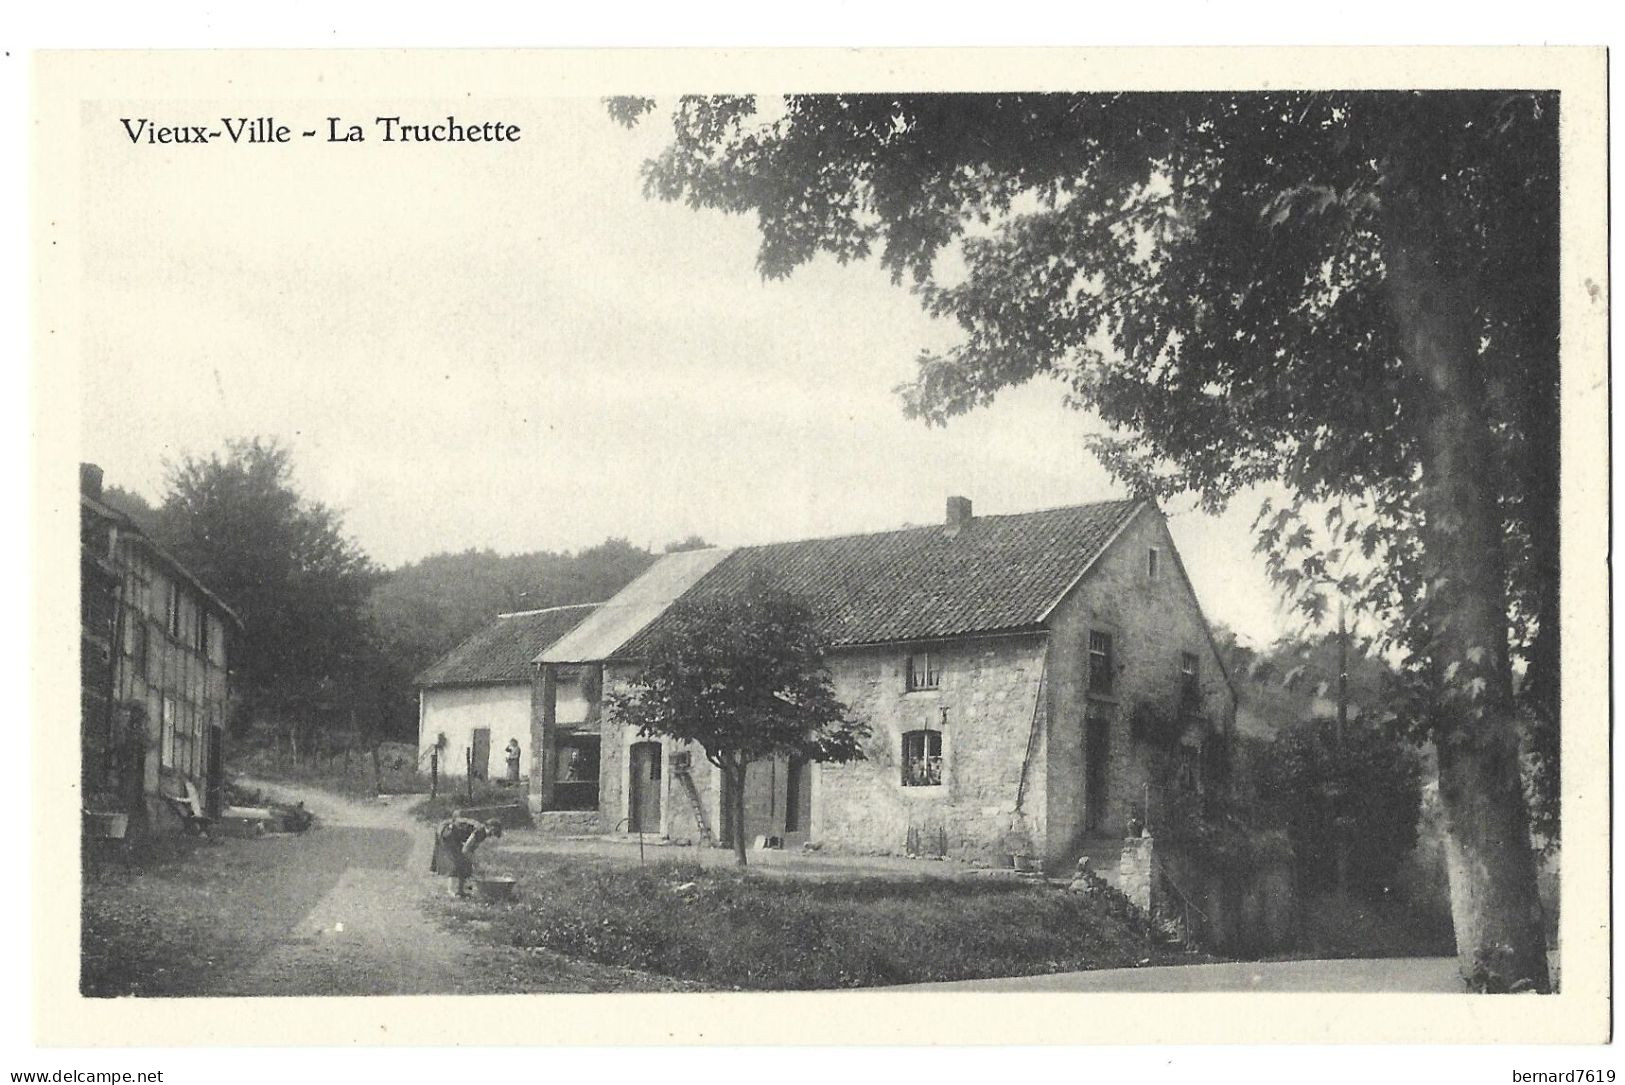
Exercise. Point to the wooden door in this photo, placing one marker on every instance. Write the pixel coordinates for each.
(643, 802)
(481, 767)
(214, 783)
(797, 802)
(763, 806)
(1097, 733)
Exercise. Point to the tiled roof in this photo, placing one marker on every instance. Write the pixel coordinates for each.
(502, 651)
(997, 574)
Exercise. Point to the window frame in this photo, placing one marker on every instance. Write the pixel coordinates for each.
(172, 610)
(1153, 562)
(1101, 680)
(583, 791)
(168, 709)
(1190, 677)
(933, 764)
(933, 672)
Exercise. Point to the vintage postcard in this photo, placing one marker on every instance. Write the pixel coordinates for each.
(1003, 546)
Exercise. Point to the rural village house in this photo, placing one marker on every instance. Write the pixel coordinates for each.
(477, 697)
(1032, 681)
(154, 684)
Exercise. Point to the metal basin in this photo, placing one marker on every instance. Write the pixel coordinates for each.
(497, 887)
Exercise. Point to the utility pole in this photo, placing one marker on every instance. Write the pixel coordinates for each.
(1342, 675)
(1339, 843)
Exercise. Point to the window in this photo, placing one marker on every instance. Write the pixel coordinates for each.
(166, 745)
(1153, 558)
(172, 609)
(1102, 667)
(138, 643)
(1190, 678)
(1187, 776)
(922, 759)
(217, 642)
(575, 772)
(922, 671)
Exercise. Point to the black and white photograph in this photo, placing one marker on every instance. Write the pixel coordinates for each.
(852, 526)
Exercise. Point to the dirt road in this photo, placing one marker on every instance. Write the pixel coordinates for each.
(339, 910)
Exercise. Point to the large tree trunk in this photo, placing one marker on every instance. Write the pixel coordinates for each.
(1500, 937)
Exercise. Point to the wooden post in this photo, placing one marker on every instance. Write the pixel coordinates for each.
(468, 776)
(434, 772)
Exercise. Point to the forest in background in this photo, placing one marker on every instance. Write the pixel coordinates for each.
(332, 642)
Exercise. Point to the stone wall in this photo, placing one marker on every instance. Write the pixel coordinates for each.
(568, 822)
(1136, 875)
(1242, 911)
(985, 706)
(1151, 620)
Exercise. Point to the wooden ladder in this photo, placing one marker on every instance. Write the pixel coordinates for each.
(693, 794)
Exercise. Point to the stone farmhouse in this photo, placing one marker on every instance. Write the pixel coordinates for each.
(477, 697)
(1034, 683)
(154, 647)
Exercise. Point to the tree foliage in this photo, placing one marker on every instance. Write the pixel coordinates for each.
(424, 609)
(743, 676)
(1210, 274)
(1352, 295)
(1363, 794)
(285, 565)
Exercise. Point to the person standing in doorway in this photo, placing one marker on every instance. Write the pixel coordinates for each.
(513, 760)
(454, 845)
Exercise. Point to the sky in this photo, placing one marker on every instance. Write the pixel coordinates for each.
(508, 346)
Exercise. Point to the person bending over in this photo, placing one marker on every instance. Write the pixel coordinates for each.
(454, 845)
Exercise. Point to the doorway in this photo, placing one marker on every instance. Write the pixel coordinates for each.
(1097, 735)
(481, 755)
(643, 801)
(766, 805)
(797, 803)
(215, 772)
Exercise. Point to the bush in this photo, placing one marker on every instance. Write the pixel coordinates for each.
(1366, 795)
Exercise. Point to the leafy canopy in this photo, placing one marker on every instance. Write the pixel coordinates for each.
(1363, 794)
(744, 676)
(1210, 274)
(284, 563)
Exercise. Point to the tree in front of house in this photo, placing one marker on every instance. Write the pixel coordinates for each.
(742, 675)
(1353, 296)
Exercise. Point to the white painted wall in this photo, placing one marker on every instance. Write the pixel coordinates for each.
(570, 705)
(458, 710)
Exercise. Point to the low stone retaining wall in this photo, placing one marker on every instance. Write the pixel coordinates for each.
(568, 822)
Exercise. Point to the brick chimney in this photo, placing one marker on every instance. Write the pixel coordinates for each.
(959, 516)
(90, 480)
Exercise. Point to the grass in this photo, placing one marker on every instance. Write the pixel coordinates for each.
(355, 778)
(455, 796)
(165, 915)
(733, 929)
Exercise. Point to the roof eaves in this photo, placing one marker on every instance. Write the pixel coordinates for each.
(457, 683)
(129, 525)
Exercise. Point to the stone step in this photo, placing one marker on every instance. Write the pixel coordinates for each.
(1104, 855)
